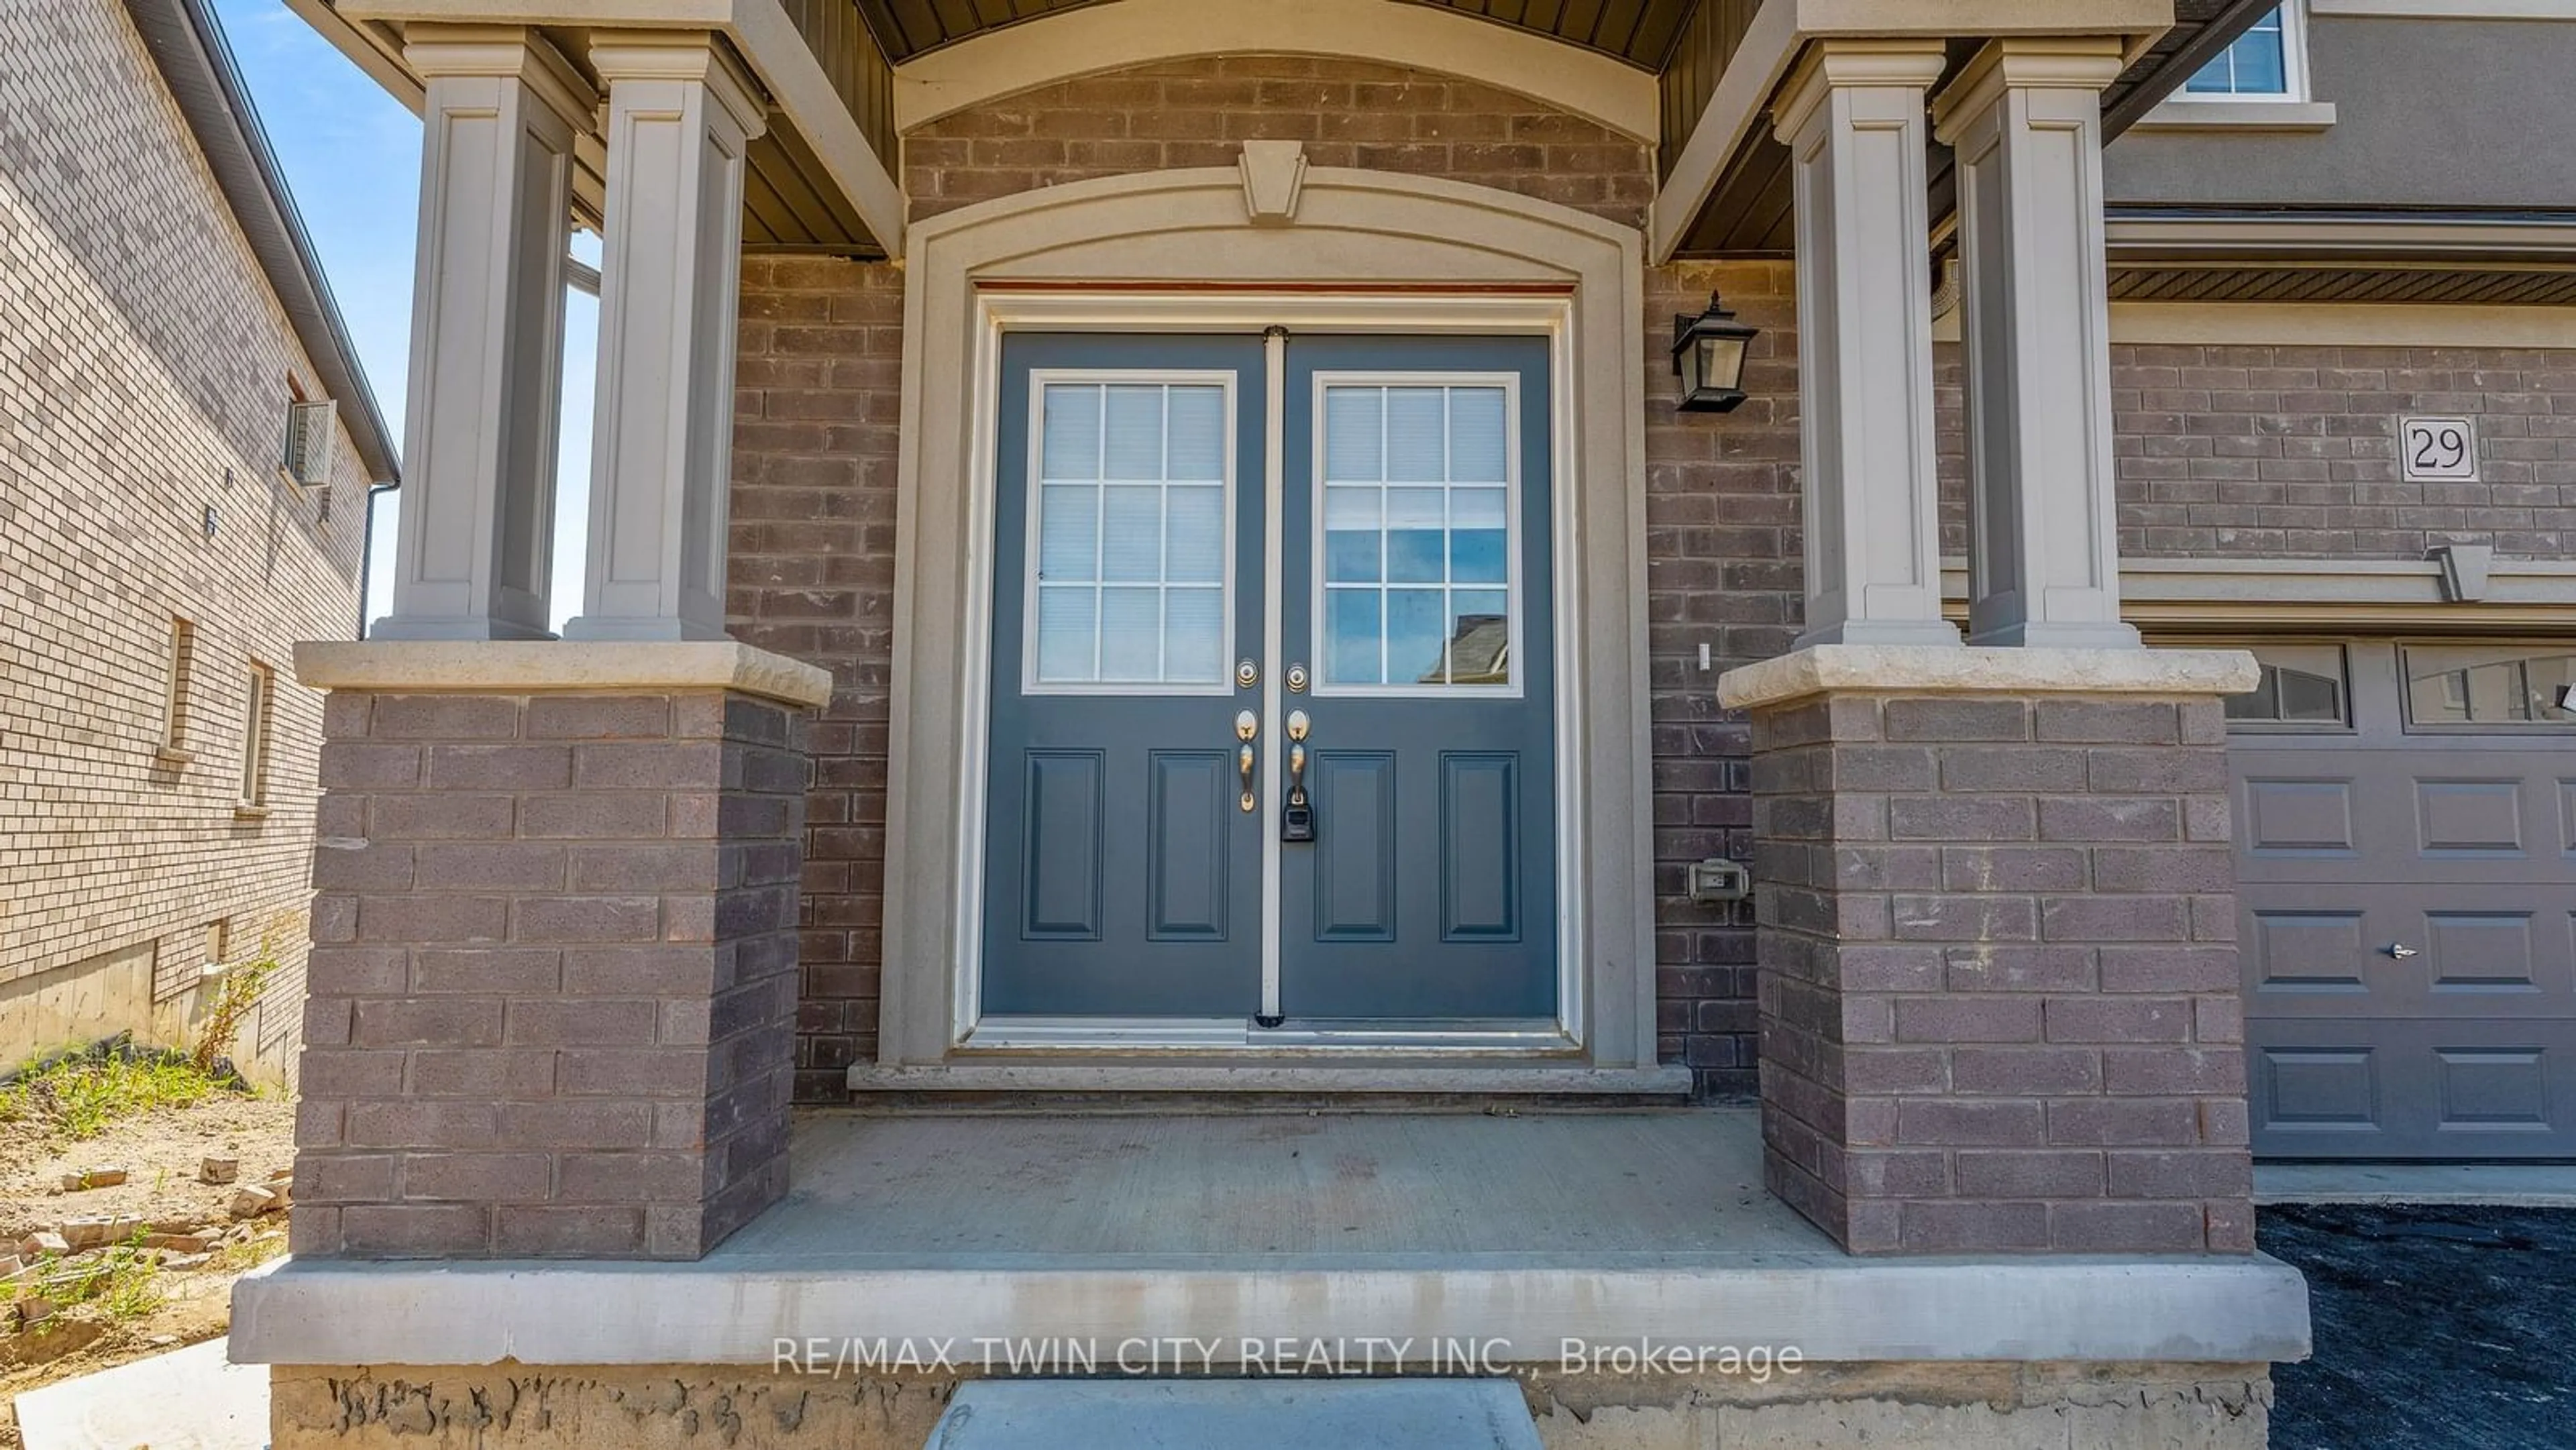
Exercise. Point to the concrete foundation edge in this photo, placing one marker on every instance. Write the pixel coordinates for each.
(1823, 1406)
(733, 1308)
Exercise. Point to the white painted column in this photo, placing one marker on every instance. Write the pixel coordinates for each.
(2035, 314)
(476, 545)
(681, 113)
(1852, 116)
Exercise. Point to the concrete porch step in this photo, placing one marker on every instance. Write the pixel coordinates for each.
(1217, 1414)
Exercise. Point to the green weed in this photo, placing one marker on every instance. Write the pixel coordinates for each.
(78, 1097)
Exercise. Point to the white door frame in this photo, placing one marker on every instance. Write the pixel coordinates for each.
(1065, 260)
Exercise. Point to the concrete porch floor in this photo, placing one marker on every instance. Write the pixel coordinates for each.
(1514, 1232)
(1341, 1188)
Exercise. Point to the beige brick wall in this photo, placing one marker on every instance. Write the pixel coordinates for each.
(1348, 112)
(144, 372)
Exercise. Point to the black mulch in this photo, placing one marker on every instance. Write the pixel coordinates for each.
(2436, 1328)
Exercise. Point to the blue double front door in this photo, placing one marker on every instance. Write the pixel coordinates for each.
(1273, 733)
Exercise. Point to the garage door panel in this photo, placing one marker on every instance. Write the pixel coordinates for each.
(2496, 1089)
(2363, 816)
(2487, 952)
(2406, 951)
(2411, 1088)
(2482, 818)
(2314, 952)
(2300, 817)
(2407, 905)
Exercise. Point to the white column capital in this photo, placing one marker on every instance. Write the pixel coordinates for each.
(693, 56)
(503, 52)
(1857, 64)
(2087, 63)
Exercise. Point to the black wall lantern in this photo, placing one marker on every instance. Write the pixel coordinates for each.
(1708, 356)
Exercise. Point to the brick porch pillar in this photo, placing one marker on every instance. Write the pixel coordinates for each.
(1999, 996)
(551, 1001)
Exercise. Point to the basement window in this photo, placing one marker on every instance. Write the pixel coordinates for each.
(172, 748)
(256, 710)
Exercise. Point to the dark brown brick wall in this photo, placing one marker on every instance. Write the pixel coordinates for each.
(2292, 451)
(1999, 983)
(1722, 542)
(811, 575)
(815, 444)
(2221, 450)
(552, 976)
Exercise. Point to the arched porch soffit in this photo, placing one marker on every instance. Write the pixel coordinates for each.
(1115, 34)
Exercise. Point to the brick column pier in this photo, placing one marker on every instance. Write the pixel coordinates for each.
(1999, 996)
(553, 984)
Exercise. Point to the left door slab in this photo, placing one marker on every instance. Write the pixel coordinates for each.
(1122, 876)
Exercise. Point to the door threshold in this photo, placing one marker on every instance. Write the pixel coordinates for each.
(1360, 1076)
(1237, 1035)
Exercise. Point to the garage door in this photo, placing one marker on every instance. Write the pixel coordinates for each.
(2406, 834)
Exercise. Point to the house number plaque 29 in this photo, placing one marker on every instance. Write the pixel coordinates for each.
(2438, 450)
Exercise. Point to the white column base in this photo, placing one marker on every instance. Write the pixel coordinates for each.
(2040, 634)
(1934, 632)
(626, 627)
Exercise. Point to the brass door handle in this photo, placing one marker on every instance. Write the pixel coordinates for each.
(1246, 726)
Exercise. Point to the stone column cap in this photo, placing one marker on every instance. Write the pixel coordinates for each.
(557, 667)
(1972, 670)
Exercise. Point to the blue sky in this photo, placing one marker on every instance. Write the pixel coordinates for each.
(352, 155)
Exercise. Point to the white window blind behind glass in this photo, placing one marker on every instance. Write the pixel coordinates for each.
(1131, 539)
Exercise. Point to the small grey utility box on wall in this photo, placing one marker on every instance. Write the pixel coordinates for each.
(1720, 880)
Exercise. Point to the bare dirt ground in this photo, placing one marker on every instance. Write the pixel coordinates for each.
(161, 1152)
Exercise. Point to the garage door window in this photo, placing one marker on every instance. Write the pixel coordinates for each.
(2489, 685)
(2302, 687)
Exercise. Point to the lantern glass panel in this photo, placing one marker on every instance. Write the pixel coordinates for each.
(1721, 362)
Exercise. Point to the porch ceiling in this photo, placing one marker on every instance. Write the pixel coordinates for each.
(1640, 32)
(1747, 213)
(1687, 45)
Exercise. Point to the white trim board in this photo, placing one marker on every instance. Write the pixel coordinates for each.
(2445, 9)
(2326, 324)
(2333, 594)
(2237, 113)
